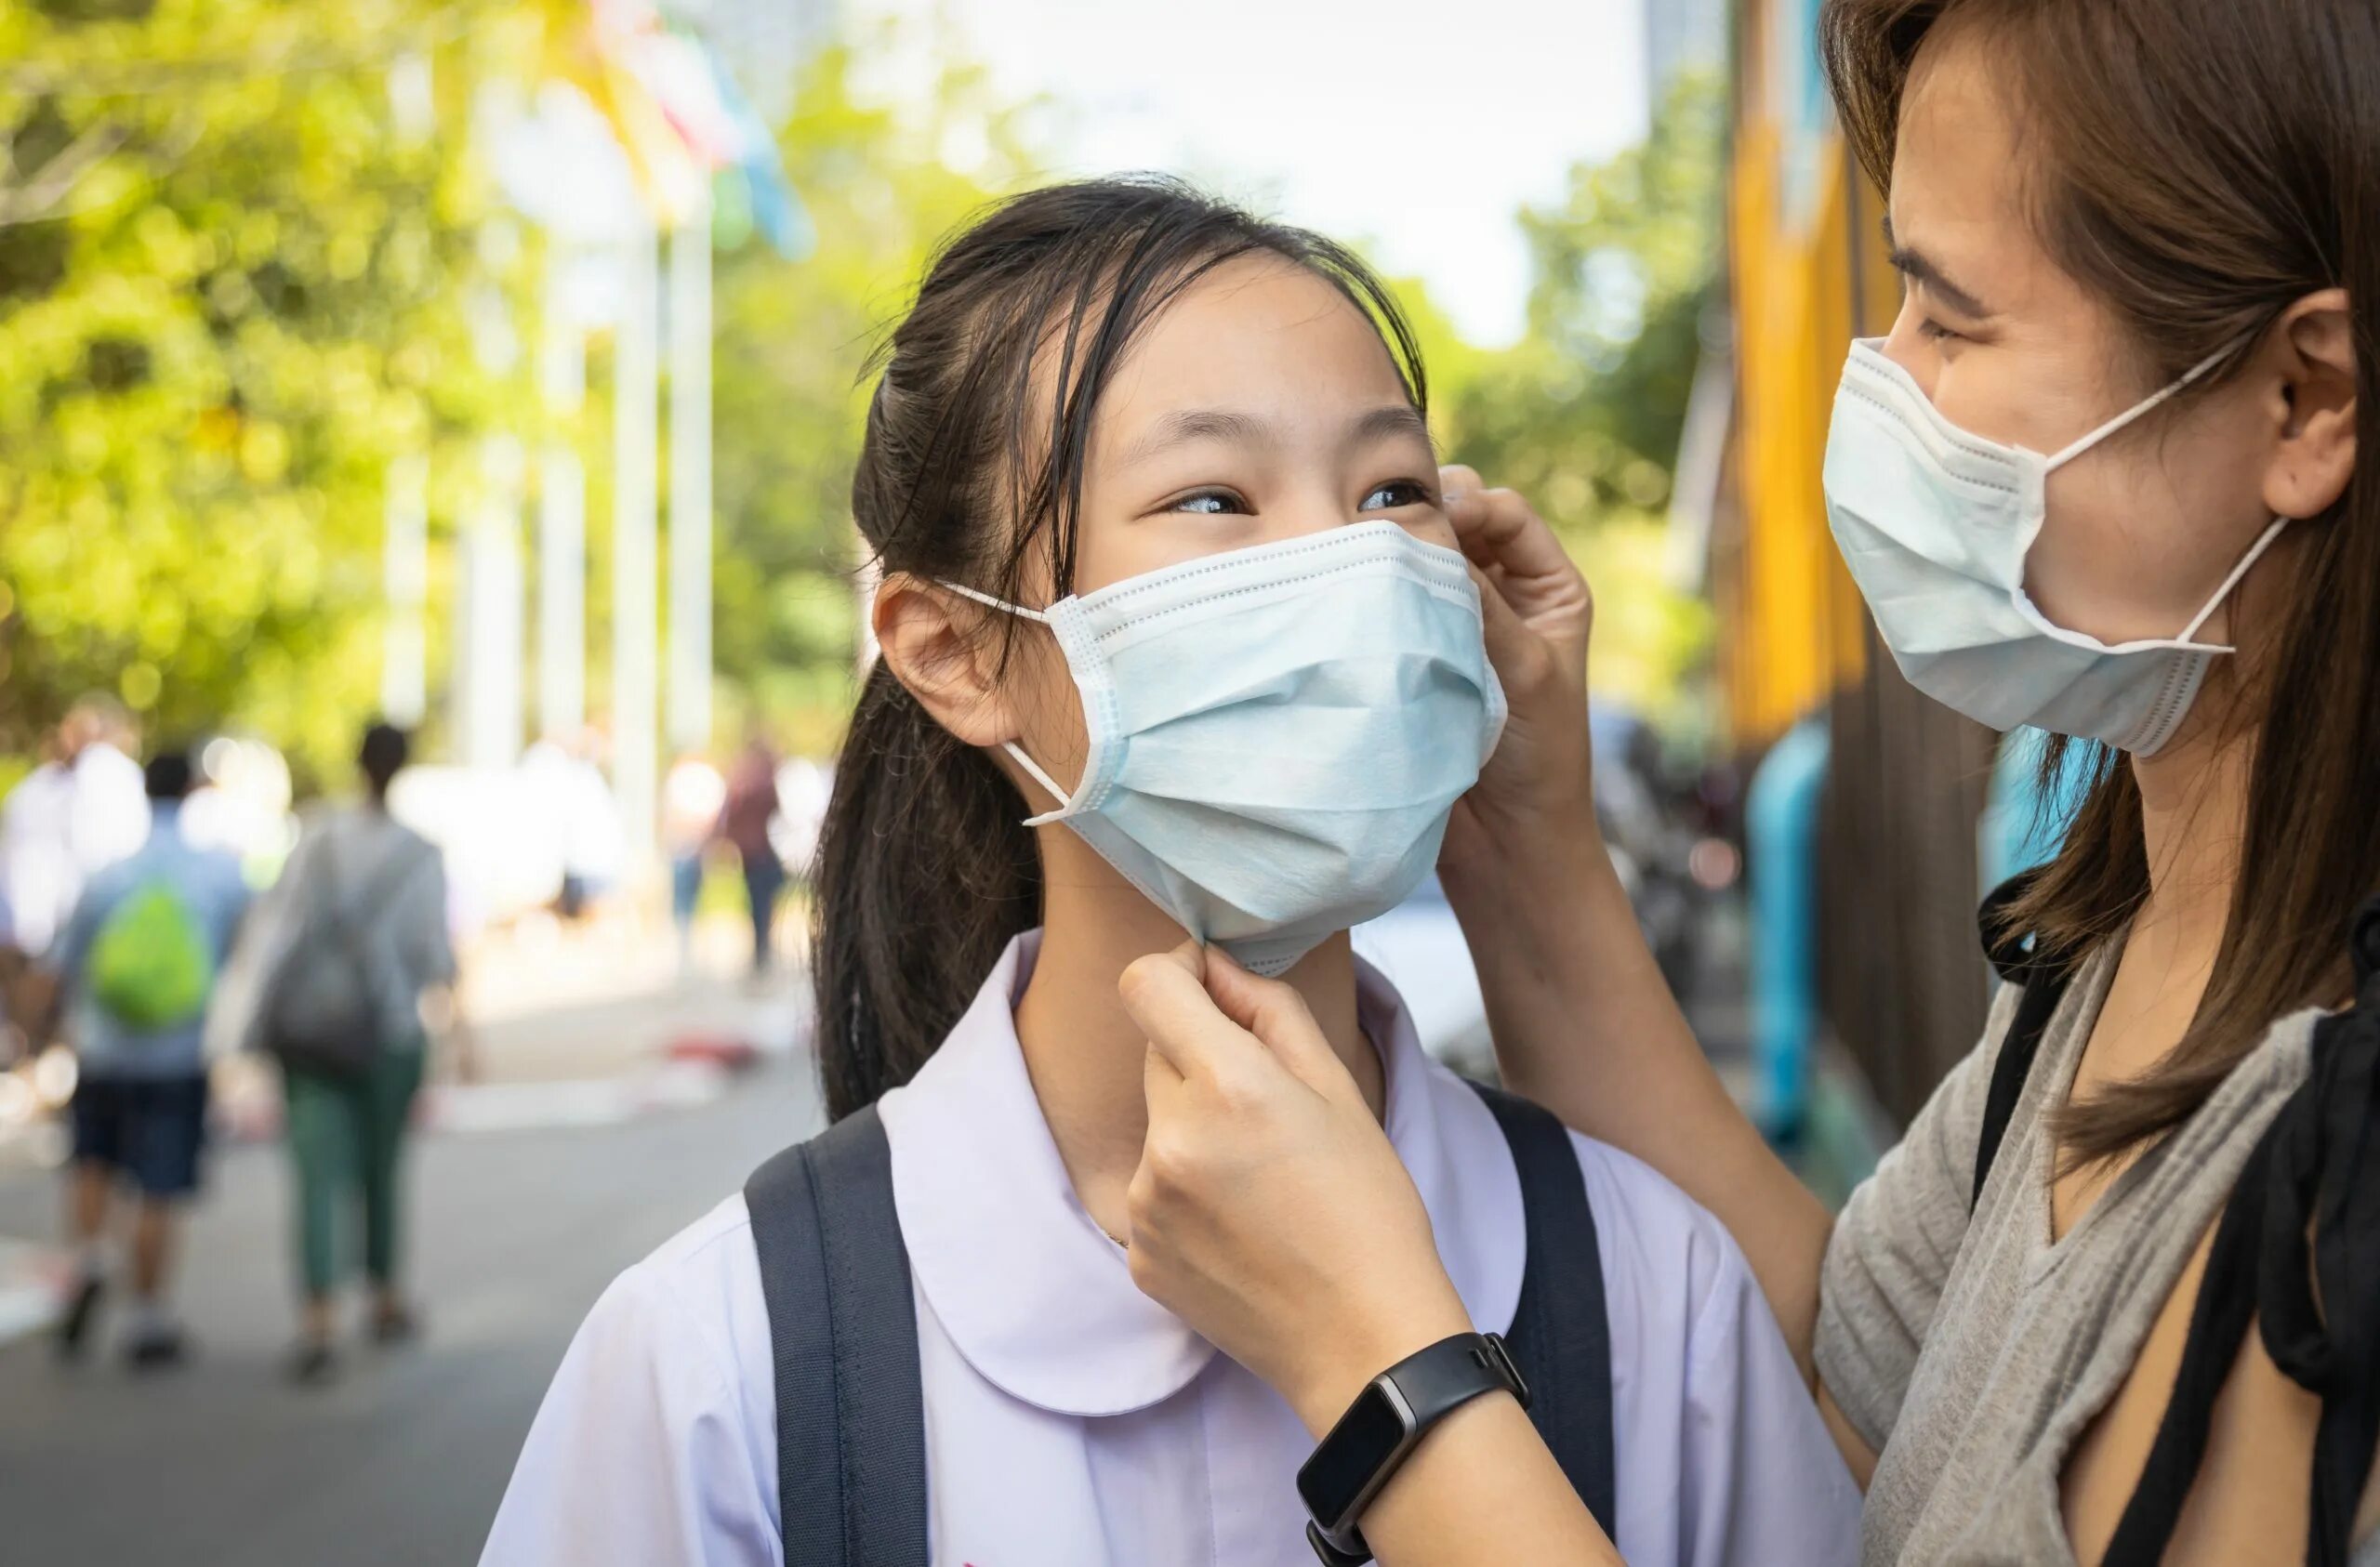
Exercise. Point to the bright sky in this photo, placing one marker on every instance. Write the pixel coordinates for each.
(1419, 127)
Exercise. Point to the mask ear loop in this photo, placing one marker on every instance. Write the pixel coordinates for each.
(2255, 553)
(1063, 796)
(2142, 409)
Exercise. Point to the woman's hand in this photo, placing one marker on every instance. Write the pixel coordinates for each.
(1269, 1211)
(1536, 790)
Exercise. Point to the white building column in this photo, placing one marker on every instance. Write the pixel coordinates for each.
(562, 515)
(690, 491)
(635, 605)
(404, 570)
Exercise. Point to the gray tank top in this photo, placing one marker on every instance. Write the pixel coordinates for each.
(1970, 1352)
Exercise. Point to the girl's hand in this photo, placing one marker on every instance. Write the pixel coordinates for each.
(1269, 1211)
(1535, 789)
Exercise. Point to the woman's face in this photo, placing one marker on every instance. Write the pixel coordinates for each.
(1260, 405)
(2141, 530)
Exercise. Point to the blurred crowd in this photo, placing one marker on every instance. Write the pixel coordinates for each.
(163, 911)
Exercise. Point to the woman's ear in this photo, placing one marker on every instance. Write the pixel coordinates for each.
(934, 643)
(2315, 456)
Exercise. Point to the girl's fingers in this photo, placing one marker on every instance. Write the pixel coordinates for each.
(1166, 997)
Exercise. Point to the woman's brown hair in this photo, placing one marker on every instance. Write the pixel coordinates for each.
(972, 467)
(2200, 165)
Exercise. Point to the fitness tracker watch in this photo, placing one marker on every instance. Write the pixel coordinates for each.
(1381, 1428)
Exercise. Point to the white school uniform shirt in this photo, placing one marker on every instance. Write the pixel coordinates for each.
(1071, 1421)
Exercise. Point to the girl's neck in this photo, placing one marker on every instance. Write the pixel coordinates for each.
(1086, 1056)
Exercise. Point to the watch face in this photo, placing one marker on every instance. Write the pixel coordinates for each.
(1357, 1445)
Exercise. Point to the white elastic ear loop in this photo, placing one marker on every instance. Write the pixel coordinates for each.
(2141, 409)
(2256, 552)
(1063, 796)
(1001, 604)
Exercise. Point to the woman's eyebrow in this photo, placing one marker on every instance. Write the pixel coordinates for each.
(1924, 270)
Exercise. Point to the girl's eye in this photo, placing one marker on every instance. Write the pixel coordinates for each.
(1935, 332)
(1212, 502)
(1395, 493)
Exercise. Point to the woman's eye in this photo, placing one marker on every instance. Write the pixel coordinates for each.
(1935, 332)
(1395, 493)
(1211, 503)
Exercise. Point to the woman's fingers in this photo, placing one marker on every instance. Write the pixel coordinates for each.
(1522, 560)
(1166, 997)
(1511, 644)
(1277, 1016)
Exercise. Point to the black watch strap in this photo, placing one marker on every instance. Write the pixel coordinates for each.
(1396, 1410)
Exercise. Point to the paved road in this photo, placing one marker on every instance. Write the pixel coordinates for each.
(404, 1460)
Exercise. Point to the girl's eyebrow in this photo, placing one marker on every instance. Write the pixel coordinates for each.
(1394, 421)
(1187, 425)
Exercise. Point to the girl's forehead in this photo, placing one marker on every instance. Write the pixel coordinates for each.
(1254, 331)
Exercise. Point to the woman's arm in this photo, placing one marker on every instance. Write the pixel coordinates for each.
(1583, 1021)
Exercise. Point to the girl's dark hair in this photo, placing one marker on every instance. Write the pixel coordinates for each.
(973, 465)
(2202, 165)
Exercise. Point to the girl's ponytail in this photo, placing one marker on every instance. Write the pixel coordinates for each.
(925, 873)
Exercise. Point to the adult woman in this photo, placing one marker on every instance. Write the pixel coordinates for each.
(2168, 277)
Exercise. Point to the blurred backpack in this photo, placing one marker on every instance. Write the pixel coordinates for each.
(152, 966)
(325, 1005)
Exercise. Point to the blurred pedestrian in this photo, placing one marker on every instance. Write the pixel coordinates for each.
(353, 939)
(136, 968)
(108, 818)
(745, 822)
(37, 846)
(692, 798)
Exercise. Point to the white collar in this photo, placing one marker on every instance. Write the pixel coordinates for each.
(1040, 1301)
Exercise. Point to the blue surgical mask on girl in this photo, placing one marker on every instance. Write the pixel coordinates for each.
(1276, 734)
(1935, 525)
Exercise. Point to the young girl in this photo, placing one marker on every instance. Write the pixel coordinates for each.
(1175, 637)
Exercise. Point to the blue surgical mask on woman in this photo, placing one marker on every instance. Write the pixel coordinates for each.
(1277, 734)
(1934, 523)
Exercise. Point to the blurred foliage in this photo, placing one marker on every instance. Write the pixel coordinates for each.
(230, 291)
(233, 286)
(793, 340)
(1584, 415)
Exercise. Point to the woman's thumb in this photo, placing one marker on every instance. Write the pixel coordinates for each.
(1277, 1016)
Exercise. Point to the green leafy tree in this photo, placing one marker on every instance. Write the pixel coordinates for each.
(1584, 415)
(230, 292)
(793, 340)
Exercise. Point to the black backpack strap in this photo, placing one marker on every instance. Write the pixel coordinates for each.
(2298, 1253)
(843, 1335)
(1561, 1335)
(2021, 961)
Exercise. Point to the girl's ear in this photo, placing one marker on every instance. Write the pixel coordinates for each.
(934, 643)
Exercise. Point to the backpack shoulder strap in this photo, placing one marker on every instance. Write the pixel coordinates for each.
(2021, 961)
(844, 1336)
(1561, 1335)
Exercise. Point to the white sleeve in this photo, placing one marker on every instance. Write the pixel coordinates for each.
(640, 1454)
(1762, 1478)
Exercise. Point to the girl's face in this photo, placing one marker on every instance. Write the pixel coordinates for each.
(2142, 530)
(1260, 405)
